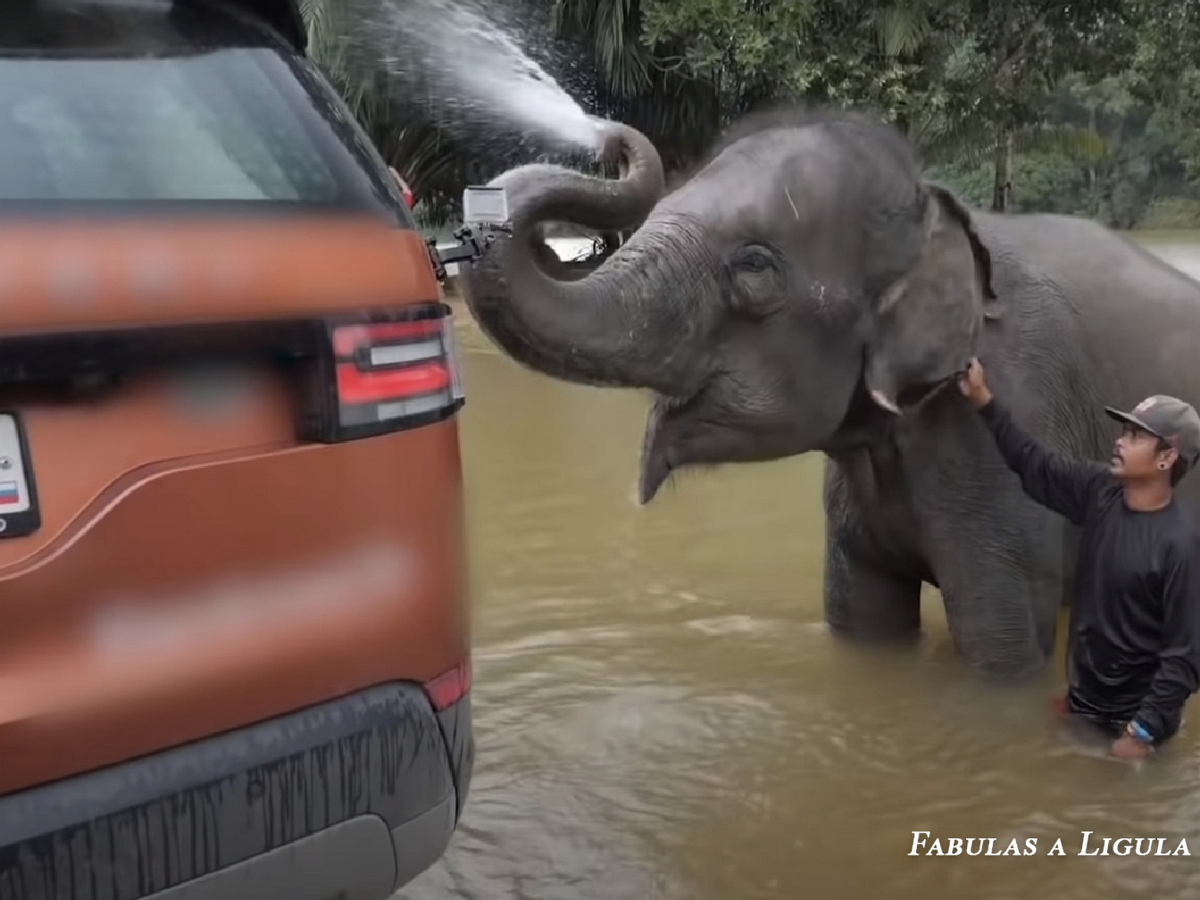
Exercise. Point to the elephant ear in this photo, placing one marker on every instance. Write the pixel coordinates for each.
(927, 321)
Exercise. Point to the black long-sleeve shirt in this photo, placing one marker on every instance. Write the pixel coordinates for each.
(1135, 613)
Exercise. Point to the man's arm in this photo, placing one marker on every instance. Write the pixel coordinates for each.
(1178, 674)
(1056, 482)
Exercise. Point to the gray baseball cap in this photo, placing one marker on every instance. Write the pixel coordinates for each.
(1169, 419)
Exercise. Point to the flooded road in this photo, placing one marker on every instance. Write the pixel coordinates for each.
(660, 712)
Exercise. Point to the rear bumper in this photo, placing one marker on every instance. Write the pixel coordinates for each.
(350, 799)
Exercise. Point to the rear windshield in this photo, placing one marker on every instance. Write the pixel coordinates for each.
(140, 101)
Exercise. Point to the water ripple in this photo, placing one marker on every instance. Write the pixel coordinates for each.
(660, 711)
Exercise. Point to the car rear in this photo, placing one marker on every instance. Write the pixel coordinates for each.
(234, 649)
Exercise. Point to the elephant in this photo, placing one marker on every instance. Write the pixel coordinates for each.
(808, 289)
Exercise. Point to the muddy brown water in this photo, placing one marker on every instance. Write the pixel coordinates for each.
(661, 713)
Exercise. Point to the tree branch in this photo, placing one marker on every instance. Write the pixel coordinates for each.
(1008, 66)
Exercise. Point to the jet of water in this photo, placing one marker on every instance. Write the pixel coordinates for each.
(471, 65)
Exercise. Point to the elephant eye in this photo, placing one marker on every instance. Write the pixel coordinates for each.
(753, 259)
(757, 281)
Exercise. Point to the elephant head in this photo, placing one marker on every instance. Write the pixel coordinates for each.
(805, 266)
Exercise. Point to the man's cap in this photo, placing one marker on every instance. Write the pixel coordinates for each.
(1169, 419)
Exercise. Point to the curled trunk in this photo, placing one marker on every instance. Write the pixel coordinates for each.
(627, 322)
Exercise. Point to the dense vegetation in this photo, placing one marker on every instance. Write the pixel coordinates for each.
(1090, 107)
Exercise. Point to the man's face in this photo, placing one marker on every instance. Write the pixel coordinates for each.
(1137, 456)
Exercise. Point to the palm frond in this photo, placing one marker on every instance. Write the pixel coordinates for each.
(901, 29)
(613, 28)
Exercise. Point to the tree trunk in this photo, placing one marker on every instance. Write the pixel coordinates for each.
(1091, 169)
(1002, 184)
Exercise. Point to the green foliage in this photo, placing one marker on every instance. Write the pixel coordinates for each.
(404, 138)
(825, 51)
(1089, 108)
(1047, 182)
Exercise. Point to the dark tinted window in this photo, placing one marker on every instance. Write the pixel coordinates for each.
(136, 100)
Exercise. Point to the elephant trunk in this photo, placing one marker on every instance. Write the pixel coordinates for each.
(629, 323)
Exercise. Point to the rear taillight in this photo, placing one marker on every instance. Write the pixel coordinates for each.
(448, 688)
(384, 374)
(409, 200)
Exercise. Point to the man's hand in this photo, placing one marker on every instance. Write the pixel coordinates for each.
(1058, 707)
(1128, 747)
(973, 385)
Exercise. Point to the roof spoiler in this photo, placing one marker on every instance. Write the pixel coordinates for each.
(282, 15)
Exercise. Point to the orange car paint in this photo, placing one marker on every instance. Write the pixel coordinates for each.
(183, 501)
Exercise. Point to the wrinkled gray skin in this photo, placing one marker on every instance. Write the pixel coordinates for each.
(806, 291)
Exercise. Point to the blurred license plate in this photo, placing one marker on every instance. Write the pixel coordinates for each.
(19, 514)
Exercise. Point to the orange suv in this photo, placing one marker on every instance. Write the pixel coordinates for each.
(234, 653)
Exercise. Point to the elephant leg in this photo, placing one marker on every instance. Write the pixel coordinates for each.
(865, 596)
(865, 602)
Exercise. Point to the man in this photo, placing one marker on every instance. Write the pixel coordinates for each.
(1134, 643)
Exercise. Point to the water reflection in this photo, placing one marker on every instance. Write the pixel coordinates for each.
(660, 712)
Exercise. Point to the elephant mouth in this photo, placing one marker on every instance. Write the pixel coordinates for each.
(657, 460)
(925, 393)
(913, 398)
